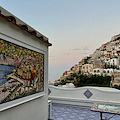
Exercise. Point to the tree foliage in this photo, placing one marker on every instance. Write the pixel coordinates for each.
(80, 80)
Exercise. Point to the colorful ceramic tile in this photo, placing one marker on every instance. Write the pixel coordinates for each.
(21, 71)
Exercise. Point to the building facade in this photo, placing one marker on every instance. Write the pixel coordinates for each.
(87, 69)
(116, 79)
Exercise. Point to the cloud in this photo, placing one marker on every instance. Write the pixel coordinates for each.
(66, 54)
(82, 48)
(85, 48)
(84, 53)
(74, 49)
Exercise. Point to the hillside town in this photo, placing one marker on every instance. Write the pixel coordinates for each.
(104, 61)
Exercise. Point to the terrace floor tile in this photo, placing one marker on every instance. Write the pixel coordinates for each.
(65, 112)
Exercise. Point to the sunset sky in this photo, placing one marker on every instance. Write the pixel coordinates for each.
(75, 27)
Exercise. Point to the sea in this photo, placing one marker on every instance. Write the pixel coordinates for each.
(5, 70)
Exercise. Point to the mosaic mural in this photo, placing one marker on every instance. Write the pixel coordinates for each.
(21, 71)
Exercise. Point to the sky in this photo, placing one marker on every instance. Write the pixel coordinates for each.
(76, 28)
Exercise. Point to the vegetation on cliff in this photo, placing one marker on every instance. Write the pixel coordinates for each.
(80, 80)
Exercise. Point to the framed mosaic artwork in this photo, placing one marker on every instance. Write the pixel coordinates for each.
(21, 71)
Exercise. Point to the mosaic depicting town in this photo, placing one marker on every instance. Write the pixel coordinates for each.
(27, 77)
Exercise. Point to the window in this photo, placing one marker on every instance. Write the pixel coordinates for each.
(98, 71)
(104, 71)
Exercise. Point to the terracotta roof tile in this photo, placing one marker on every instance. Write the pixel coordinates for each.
(11, 18)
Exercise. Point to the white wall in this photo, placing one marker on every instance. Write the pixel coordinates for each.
(75, 96)
(36, 109)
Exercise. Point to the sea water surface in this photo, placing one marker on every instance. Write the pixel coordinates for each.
(5, 70)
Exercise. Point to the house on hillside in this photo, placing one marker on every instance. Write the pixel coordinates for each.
(87, 69)
(104, 72)
(112, 62)
(75, 68)
(116, 79)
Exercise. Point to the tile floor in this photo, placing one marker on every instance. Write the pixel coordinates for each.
(64, 112)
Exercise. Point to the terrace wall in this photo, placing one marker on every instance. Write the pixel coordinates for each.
(76, 96)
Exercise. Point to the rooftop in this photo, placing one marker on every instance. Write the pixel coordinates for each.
(22, 25)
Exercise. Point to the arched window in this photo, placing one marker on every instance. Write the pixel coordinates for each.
(98, 71)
